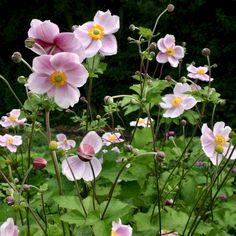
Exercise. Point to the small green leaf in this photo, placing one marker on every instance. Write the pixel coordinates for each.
(145, 32)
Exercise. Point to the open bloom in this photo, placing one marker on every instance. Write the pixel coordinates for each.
(118, 229)
(175, 104)
(12, 119)
(49, 40)
(64, 143)
(110, 138)
(85, 165)
(97, 35)
(198, 73)
(168, 51)
(142, 122)
(10, 142)
(58, 76)
(215, 143)
(8, 228)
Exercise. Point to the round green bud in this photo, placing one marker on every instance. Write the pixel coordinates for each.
(232, 134)
(132, 27)
(183, 122)
(183, 79)
(108, 100)
(219, 149)
(16, 57)
(21, 79)
(98, 117)
(53, 145)
(29, 42)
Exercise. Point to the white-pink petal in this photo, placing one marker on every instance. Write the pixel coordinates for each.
(94, 140)
(91, 172)
(162, 57)
(109, 45)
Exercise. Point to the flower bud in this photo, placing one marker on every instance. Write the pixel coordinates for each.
(108, 100)
(132, 27)
(83, 99)
(128, 147)
(39, 163)
(183, 44)
(222, 102)
(206, 52)
(183, 122)
(233, 170)
(25, 188)
(135, 151)
(98, 117)
(168, 202)
(219, 149)
(29, 42)
(53, 145)
(152, 54)
(21, 79)
(168, 78)
(232, 134)
(160, 156)
(10, 200)
(183, 79)
(170, 133)
(170, 7)
(199, 163)
(16, 57)
(223, 197)
(153, 46)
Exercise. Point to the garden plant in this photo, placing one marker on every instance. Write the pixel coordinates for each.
(154, 162)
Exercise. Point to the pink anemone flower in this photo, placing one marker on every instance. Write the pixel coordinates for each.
(10, 142)
(58, 76)
(12, 119)
(198, 73)
(215, 143)
(118, 229)
(8, 228)
(49, 40)
(97, 35)
(85, 165)
(168, 51)
(63, 143)
(111, 138)
(142, 122)
(175, 104)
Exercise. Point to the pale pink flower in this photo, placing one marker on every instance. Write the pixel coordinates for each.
(215, 143)
(97, 35)
(8, 228)
(198, 73)
(111, 138)
(58, 76)
(175, 104)
(142, 122)
(118, 229)
(64, 143)
(80, 165)
(169, 232)
(12, 119)
(10, 142)
(49, 40)
(168, 51)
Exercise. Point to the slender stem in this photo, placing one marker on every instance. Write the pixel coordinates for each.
(12, 91)
(27, 64)
(7, 180)
(112, 189)
(157, 20)
(44, 212)
(93, 185)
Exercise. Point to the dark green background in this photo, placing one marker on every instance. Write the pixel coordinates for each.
(199, 23)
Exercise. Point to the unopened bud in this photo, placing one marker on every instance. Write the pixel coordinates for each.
(223, 197)
(10, 200)
(69, 110)
(184, 44)
(25, 188)
(130, 39)
(98, 117)
(39, 163)
(21, 79)
(206, 52)
(153, 46)
(168, 78)
(168, 202)
(170, 133)
(108, 100)
(170, 7)
(183, 79)
(150, 83)
(29, 42)
(232, 134)
(199, 163)
(132, 27)
(16, 57)
(83, 99)
(152, 54)
(128, 148)
(222, 102)
(135, 151)
(183, 122)
(53, 145)
(219, 149)
(160, 156)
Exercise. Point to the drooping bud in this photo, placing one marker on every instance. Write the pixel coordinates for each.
(135, 151)
(10, 200)
(128, 147)
(39, 163)
(168, 202)
(153, 46)
(206, 52)
(219, 149)
(21, 79)
(160, 156)
(170, 133)
(108, 100)
(183, 79)
(132, 27)
(29, 42)
(223, 197)
(98, 117)
(183, 122)
(170, 7)
(16, 57)
(168, 78)
(53, 145)
(232, 134)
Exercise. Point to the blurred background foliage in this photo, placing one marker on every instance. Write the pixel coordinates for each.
(200, 23)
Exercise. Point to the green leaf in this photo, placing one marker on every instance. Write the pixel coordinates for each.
(73, 217)
(145, 32)
(69, 202)
(142, 138)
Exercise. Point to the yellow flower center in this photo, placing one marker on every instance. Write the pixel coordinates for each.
(112, 138)
(170, 51)
(176, 101)
(12, 118)
(113, 233)
(220, 140)
(65, 141)
(10, 140)
(141, 121)
(201, 71)
(96, 32)
(58, 78)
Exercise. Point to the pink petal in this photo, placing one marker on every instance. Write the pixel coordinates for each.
(88, 173)
(216, 159)
(15, 112)
(8, 228)
(204, 77)
(174, 112)
(93, 48)
(43, 65)
(72, 143)
(110, 23)
(161, 57)
(94, 140)
(161, 46)
(66, 96)
(179, 52)
(189, 102)
(192, 69)
(17, 140)
(173, 61)
(11, 148)
(180, 88)
(169, 41)
(109, 45)
(77, 76)
(73, 165)
(61, 137)
(218, 127)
